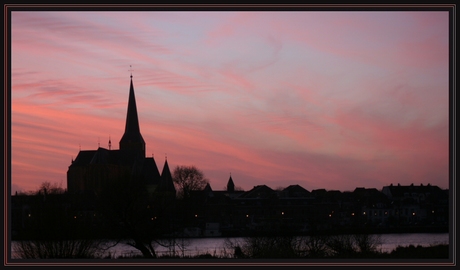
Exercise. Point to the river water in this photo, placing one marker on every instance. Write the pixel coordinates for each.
(217, 246)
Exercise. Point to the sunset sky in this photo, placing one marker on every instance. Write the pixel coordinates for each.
(333, 100)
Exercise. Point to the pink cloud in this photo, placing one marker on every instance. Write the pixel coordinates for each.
(325, 102)
(228, 27)
(381, 38)
(47, 140)
(407, 149)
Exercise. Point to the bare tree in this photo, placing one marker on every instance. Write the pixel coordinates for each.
(130, 212)
(367, 243)
(263, 247)
(60, 248)
(356, 245)
(51, 188)
(187, 179)
(313, 246)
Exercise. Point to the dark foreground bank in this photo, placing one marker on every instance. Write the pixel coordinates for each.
(407, 252)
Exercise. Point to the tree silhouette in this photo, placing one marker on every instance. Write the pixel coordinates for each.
(187, 179)
(130, 211)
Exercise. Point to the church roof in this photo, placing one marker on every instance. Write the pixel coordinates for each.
(84, 157)
(99, 156)
(151, 172)
(105, 156)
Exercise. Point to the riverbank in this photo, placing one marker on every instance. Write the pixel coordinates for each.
(381, 246)
(406, 252)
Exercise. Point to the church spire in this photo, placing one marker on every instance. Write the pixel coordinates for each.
(230, 184)
(132, 140)
(132, 121)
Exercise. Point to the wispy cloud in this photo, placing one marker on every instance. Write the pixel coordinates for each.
(329, 100)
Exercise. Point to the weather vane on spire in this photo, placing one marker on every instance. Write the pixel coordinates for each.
(131, 69)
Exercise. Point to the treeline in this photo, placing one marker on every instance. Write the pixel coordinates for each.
(329, 247)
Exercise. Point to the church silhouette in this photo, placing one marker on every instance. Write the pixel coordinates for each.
(92, 170)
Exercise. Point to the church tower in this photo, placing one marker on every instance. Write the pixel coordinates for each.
(94, 170)
(132, 144)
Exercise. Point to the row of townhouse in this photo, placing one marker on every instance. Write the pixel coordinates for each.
(292, 209)
(296, 209)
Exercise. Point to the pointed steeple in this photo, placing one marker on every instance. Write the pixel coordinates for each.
(166, 182)
(230, 185)
(208, 190)
(132, 140)
(166, 173)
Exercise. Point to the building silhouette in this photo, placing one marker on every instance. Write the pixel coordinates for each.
(93, 170)
(232, 211)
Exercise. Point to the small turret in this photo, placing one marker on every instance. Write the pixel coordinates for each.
(230, 185)
(166, 182)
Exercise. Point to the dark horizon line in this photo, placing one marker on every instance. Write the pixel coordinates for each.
(278, 188)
